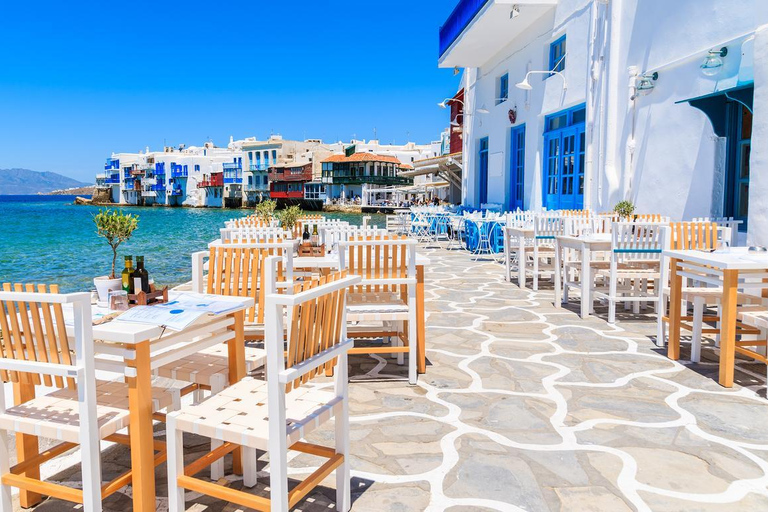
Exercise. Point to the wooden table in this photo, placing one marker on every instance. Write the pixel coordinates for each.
(586, 245)
(136, 339)
(331, 261)
(730, 263)
(521, 233)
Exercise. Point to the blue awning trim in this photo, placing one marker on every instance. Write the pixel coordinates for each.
(714, 104)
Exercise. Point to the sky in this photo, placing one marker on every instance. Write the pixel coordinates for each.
(79, 80)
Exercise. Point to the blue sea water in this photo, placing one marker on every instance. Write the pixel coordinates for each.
(47, 239)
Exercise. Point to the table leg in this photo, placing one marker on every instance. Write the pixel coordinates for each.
(521, 262)
(140, 429)
(728, 327)
(675, 292)
(558, 278)
(421, 337)
(26, 445)
(236, 356)
(586, 282)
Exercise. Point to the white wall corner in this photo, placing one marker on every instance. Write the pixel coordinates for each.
(758, 182)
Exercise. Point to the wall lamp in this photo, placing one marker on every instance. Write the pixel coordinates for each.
(526, 85)
(448, 101)
(645, 83)
(713, 61)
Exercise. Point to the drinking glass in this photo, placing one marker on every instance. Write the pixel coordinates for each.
(118, 300)
(723, 246)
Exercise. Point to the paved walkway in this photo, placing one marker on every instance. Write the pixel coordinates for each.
(527, 407)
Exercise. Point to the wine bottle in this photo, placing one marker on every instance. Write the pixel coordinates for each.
(315, 236)
(126, 275)
(140, 276)
(305, 235)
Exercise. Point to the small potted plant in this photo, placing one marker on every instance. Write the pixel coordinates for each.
(117, 227)
(624, 209)
(265, 211)
(289, 216)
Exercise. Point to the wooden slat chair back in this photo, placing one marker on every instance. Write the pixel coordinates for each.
(724, 222)
(575, 213)
(276, 414)
(377, 259)
(315, 325)
(34, 331)
(36, 351)
(578, 225)
(702, 236)
(332, 236)
(547, 226)
(253, 234)
(519, 219)
(651, 218)
(240, 270)
(637, 241)
(248, 222)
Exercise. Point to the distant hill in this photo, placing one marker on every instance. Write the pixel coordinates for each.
(24, 181)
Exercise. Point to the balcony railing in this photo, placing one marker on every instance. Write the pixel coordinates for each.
(176, 192)
(258, 167)
(457, 21)
(128, 186)
(160, 187)
(346, 179)
(216, 180)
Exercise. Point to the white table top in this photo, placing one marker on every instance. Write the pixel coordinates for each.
(132, 332)
(736, 258)
(594, 241)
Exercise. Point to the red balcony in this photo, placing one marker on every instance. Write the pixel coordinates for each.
(214, 180)
(284, 190)
(291, 173)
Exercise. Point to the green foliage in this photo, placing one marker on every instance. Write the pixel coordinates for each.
(117, 227)
(289, 216)
(625, 209)
(265, 210)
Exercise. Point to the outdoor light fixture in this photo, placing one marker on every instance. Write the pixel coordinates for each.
(447, 101)
(515, 11)
(713, 61)
(526, 85)
(483, 110)
(646, 82)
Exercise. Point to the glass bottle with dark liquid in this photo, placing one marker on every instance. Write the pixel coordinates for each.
(140, 276)
(127, 282)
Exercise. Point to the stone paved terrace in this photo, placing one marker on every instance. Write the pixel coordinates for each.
(528, 407)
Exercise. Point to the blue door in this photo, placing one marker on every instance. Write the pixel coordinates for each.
(737, 165)
(482, 171)
(517, 167)
(564, 147)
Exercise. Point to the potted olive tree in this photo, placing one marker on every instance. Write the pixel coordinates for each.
(116, 227)
(289, 216)
(265, 211)
(625, 210)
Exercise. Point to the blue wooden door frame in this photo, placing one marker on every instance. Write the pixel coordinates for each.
(517, 167)
(482, 170)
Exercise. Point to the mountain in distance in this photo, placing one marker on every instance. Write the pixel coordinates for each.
(24, 182)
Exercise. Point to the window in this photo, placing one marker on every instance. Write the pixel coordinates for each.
(274, 155)
(739, 146)
(564, 146)
(502, 89)
(197, 168)
(557, 55)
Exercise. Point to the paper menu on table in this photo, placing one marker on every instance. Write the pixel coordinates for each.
(214, 304)
(176, 319)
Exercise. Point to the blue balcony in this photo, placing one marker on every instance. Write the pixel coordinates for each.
(258, 167)
(457, 21)
(112, 163)
(113, 179)
(179, 171)
(176, 191)
(128, 185)
(233, 173)
(159, 187)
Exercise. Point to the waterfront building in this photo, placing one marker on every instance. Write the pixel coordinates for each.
(580, 104)
(286, 182)
(347, 175)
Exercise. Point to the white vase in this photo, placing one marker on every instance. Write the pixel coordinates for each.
(104, 285)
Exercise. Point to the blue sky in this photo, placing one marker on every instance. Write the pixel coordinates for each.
(79, 80)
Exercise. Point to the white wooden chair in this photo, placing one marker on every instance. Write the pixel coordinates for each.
(276, 415)
(635, 260)
(82, 411)
(516, 219)
(386, 295)
(581, 225)
(725, 222)
(546, 227)
(252, 234)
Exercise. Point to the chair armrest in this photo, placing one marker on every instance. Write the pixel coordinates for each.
(197, 270)
(297, 371)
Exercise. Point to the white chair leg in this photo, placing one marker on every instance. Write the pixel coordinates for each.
(718, 324)
(250, 460)
(399, 342)
(661, 308)
(535, 270)
(343, 485)
(6, 501)
(175, 447)
(218, 383)
(612, 299)
(698, 320)
(412, 344)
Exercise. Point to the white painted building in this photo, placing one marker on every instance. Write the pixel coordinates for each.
(630, 114)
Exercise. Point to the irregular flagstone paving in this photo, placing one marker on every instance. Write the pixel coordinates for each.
(525, 406)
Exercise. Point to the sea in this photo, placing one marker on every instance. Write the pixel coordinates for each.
(50, 240)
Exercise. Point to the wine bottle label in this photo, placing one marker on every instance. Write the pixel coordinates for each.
(136, 284)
